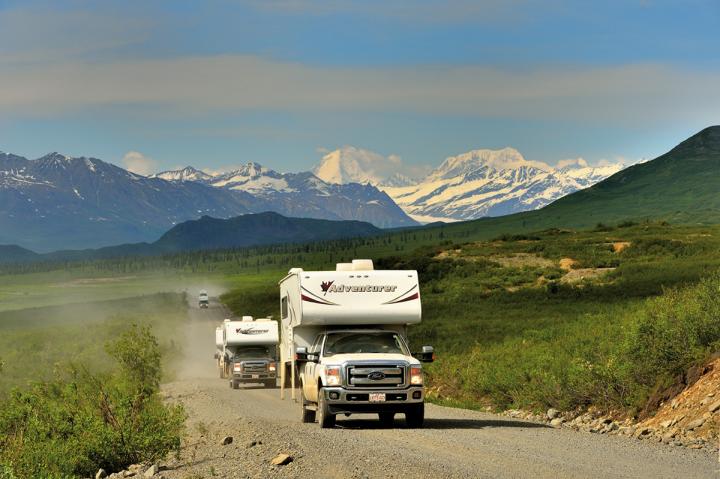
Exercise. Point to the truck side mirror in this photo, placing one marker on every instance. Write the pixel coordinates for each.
(428, 354)
(301, 354)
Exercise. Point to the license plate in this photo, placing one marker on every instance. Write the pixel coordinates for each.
(377, 397)
(256, 376)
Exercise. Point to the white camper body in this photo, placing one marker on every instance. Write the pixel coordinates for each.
(250, 332)
(248, 351)
(367, 311)
(313, 300)
(219, 342)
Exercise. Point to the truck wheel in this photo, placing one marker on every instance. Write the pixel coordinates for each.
(308, 415)
(270, 383)
(386, 419)
(324, 417)
(288, 383)
(415, 415)
(235, 384)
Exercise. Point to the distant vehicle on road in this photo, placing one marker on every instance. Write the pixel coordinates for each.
(344, 338)
(203, 300)
(249, 350)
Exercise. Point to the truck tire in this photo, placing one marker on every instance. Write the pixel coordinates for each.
(386, 419)
(288, 377)
(235, 384)
(324, 417)
(308, 415)
(415, 415)
(270, 383)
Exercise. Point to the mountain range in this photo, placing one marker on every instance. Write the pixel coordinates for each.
(472, 185)
(208, 233)
(680, 186)
(59, 202)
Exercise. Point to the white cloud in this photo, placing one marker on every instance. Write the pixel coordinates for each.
(30, 35)
(138, 163)
(201, 85)
(572, 162)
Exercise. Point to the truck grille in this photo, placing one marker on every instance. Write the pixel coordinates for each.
(254, 367)
(376, 376)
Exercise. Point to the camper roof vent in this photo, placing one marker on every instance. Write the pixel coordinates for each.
(362, 265)
(247, 318)
(344, 267)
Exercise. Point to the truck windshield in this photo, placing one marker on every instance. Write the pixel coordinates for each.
(253, 352)
(358, 343)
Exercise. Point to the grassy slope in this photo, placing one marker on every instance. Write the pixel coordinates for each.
(515, 335)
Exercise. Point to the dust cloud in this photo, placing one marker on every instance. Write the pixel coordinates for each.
(198, 335)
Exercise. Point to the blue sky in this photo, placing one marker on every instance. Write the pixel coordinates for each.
(216, 84)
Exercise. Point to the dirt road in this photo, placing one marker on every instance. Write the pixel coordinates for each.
(454, 442)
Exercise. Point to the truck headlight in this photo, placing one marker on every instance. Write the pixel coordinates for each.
(332, 375)
(271, 367)
(416, 376)
(237, 367)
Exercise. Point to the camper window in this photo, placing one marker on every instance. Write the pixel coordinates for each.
(358, 343)
(252, 352)
(284, 307)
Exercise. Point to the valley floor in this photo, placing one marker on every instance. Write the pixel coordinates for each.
(454, 442)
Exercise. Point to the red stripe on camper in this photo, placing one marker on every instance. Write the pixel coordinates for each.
(409, 298)
(313, 300)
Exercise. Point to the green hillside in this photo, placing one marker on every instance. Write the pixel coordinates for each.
(681, 186)
(12, 253)
(257, 229)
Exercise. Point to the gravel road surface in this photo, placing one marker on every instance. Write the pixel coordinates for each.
(455, 443)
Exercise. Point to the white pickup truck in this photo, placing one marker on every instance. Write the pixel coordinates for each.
(344, 343)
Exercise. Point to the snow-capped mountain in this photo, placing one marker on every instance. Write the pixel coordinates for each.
(59, 202)
(350, 164)
(306, 195)
(587, 175)
(186, 174)
(483, 183)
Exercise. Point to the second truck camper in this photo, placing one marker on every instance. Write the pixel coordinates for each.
(344, 343)
(246, 351)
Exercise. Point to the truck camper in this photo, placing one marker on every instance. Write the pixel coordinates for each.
(249, 351)
(203, 300)
(344, 343)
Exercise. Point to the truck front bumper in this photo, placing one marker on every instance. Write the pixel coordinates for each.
(341, 400)
(249, 378)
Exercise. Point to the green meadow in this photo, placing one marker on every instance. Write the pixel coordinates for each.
(553, 317)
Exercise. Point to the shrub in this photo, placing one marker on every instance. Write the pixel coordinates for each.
(674, 332)
(73, 426)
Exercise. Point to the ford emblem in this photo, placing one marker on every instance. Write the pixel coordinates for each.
(376, 375)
